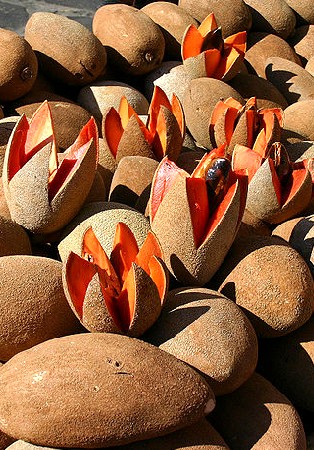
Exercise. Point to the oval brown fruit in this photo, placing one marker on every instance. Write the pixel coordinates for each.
(18, 66)
(98, 390)
(134, 42)
(66, 49)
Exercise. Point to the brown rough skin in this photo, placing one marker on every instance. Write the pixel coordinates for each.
(134, 42)
(98, 97)
(210, 333)
(302, 41)
(267, 95)
(133, 175)
(273, 16)
(103, 218)
(33, 305)
(261, 46)
(4, 209)
(13, 238)
(67, 50)
(68, 118)
(288, 363)
(231, 15)
(18, 66)
(257, 416)
(273, 285)
(173, 21)
(198, 436)
(294, 82)
(297, 122)
(6, 126)
(136, 389)
(200, 98)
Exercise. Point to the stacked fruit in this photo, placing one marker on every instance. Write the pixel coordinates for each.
(156, 221)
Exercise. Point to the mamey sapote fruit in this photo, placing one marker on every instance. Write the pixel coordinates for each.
(200, 98)
(134, 42)
(297, 122)
(198, 436)
(302, 41)
(173, 21)
(273, 16)
(13, 238)
(257, 416)
(18, 67)
(210, 333)
(98, 97)
(232, 16)
(98, 378)
(288, 363)
(267, 95)
(294, 82)
(33, 303)
(133, 175)
(103, 218)
(170, 76)
(278, 298)
(66, 49)
(261, 46)
(68, 118)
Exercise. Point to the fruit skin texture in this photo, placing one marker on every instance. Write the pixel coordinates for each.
(277, 297)
(257, 416)
(18, 66)
(60, 393)
(210, 333)
(134, 42)
(67, 50)
(33, 305)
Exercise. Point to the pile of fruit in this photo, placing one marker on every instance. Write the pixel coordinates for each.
(156, 228)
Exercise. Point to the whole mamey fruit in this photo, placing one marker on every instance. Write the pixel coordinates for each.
(107, 390)
(18, 66)
(66, 49)
(134, 42)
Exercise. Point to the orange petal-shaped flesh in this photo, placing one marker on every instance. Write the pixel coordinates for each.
(161, 135)
(113, 130)
(219, 109)
(296, 179)
(79, 273)
(159, 99)
(250, 121)
(165, 177)
(192, 42)
(177, 110)
(208, 24)
(73, 157)
(269, 119)
(158, 274)
(229, 57)
(126, 301)
(124, 251)
(150, 248)
(197, 195)
(260, 145)
(125, 111)
(17, 157)
(212, 61)
(237, 41)
(245, 158)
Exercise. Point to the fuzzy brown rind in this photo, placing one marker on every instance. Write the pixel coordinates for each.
(134, 174)
(173, 228)
(173, 21)
(134, 42)
(297, 122)
(67, 50)
(261, 46)
(200, 98)
(33, 304)
(13, 238)
(262, 200)
(294, 82)
(103, 218)
(210, 333)
(18, 68)
(277, 297)
(27, 191)
(93, 379)
(231, 15)
(258, 416)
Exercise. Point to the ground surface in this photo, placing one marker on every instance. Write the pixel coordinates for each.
(15, 13)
